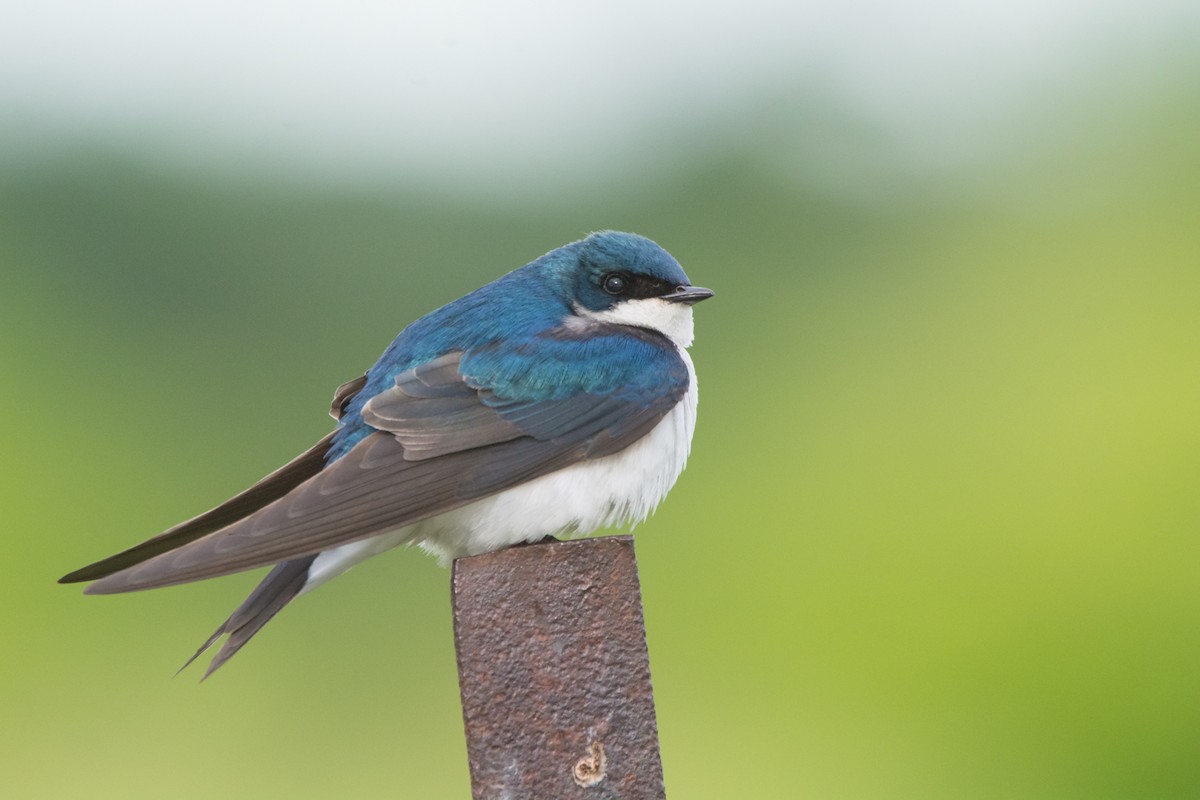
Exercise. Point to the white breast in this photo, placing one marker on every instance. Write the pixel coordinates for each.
(615, 490)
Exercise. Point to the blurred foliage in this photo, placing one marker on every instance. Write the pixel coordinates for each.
(938, 538)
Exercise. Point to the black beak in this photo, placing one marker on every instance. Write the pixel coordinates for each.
(688, 294)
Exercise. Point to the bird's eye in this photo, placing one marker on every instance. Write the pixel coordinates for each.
(614, 283)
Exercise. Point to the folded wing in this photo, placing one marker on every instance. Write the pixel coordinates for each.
(450, 431)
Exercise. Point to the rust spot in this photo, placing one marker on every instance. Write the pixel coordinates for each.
(589, 770)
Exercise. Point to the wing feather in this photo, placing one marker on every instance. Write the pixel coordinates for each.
(267, 490)
(262, 493)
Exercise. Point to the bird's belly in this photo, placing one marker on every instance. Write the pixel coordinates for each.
(615, 490)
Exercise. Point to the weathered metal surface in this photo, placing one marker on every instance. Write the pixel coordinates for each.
(554, 673)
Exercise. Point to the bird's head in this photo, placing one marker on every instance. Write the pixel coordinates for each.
(627, 279)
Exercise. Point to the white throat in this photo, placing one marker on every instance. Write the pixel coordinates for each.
(673, 320)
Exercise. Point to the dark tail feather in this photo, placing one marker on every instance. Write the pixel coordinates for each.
(279, 588)
(267, 490)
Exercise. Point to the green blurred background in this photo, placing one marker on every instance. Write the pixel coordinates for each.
(938, 537)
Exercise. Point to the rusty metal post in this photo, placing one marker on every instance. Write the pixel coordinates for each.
(554, 673)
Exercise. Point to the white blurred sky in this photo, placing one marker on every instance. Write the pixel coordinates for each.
(497, 94)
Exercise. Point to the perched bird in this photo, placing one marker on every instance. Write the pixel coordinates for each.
(558, 399)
